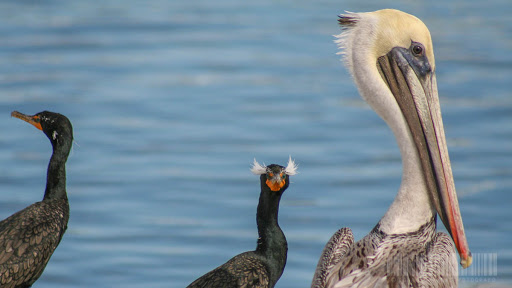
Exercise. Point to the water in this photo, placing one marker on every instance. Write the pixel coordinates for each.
(172, 100)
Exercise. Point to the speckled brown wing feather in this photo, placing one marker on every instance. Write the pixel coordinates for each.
(440, 267)
(355, 258)
(332, 254)
(244, 270)
(28, 239)
(396, 260)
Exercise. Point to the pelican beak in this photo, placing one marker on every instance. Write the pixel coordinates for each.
(413, 83)
(34, 120)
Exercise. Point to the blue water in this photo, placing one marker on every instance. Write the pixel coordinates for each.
(172, 100)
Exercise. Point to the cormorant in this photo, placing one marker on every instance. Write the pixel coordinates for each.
(264, 266)
(29, 236)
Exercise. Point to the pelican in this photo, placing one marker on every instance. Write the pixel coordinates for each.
(389, 53)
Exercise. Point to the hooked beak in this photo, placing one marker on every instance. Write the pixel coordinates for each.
(34, 120)
(415, 89)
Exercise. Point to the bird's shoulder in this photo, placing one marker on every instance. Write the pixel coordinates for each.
(440, 267)
(244, 270)
(41, 216)
(381, 260)
(360, 267)
(332, 254)
(28, 239)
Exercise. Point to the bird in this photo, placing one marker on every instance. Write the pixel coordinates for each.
(29, 237)
(262, 267)
(390, 57)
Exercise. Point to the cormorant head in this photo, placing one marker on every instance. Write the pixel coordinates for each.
(56, 126)
(276, 177)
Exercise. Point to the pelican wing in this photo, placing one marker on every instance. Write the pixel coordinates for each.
(440, 264)
(332, 254)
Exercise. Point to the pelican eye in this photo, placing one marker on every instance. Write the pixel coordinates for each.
(417, 49)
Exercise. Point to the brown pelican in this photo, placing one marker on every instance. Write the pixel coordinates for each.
(390, 56)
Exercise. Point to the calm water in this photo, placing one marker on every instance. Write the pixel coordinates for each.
(172, 100)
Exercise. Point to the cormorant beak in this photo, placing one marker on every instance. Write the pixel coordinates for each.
(413, 83)
(34, 120)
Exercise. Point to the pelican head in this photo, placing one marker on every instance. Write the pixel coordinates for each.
(390, 56)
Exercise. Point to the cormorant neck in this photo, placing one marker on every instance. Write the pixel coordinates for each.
(271, 242)
(56, 176)
(266, 218)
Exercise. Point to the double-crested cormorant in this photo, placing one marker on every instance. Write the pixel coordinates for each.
(29, 237)
(391, 58)
(264, 266)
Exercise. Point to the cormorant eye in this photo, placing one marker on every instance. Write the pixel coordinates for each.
(417, 49)
(271, 174)
(283, 175)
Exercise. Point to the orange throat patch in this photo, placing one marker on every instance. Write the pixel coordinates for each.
(275, 186)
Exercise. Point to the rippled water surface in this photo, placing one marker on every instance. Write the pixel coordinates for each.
(172, 100)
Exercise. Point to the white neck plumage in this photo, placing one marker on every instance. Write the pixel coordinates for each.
(412, 206)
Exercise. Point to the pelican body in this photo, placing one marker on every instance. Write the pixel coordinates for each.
(390, 56)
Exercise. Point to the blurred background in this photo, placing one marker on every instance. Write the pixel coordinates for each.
(172, 100)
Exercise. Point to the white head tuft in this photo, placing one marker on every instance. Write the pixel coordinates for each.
(291, 168)
(344, 40)
(258, 169)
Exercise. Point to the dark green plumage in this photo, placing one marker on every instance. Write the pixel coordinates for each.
(264, 266)
(29, 237)
(244, 270)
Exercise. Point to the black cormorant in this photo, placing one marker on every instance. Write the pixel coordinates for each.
(29, 237)
(264, 266)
